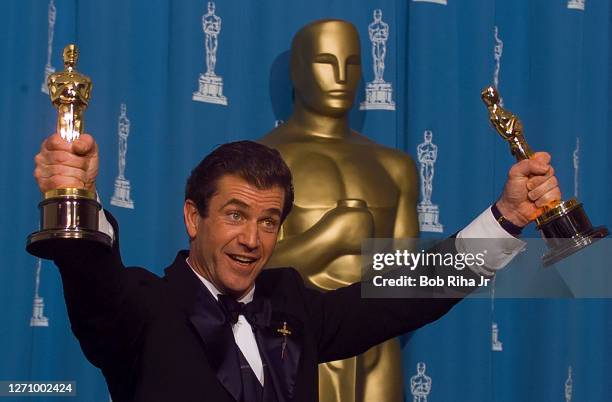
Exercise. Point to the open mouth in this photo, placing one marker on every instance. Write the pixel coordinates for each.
(243, 259)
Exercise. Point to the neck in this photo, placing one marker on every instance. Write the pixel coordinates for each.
(319, 125)
(193, 263)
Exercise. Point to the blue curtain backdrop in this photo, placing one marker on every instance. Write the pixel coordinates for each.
(553, 70)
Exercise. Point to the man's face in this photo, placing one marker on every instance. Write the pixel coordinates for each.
(330, 69)
(235, 241)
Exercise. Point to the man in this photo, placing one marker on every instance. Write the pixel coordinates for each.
(169, 339)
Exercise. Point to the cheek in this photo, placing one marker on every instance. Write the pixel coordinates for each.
(323, 75)
(268, 242)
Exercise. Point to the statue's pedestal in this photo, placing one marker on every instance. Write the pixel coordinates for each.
(121, 197)
(429, 216)
(38, 316)
(210, 90)
(379, 96)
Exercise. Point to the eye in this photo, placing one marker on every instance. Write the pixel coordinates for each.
(326, 58)
(270, 224)
(235, 216)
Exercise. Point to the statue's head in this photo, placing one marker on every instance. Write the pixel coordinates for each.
(326, 66)
(211, 7)
(377, 15)
(427, 135)
(421, 367)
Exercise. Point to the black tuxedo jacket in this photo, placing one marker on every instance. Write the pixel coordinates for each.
(165, 339)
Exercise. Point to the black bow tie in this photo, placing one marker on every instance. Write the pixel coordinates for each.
(257, 313)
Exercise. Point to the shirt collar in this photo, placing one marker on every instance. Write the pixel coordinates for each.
(216, 292)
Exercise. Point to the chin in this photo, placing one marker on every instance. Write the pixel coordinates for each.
(338, 108)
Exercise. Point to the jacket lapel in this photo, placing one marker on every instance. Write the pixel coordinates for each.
(210, 323)
(280, 346)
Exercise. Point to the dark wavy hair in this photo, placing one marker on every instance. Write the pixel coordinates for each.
(257, 164)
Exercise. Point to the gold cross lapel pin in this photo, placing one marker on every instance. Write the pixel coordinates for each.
(285, 332)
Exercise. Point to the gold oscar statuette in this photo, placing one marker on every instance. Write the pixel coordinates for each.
(564, 225)
(68, 215)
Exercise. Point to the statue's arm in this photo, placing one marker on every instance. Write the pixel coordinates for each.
(339, 232)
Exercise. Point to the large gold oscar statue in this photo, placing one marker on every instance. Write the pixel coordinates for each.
(347, 188)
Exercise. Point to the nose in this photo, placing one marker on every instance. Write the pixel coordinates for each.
(341, 72)
(249, 237)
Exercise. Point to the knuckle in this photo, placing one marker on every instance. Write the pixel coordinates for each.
(55, 181)
(60, 157)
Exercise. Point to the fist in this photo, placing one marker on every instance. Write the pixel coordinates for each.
(530, 187)
(61, 164)
(348, 227)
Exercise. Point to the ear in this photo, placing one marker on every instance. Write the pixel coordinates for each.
(192, 218)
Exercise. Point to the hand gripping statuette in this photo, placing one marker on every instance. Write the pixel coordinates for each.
(68, 216)
(565, 226)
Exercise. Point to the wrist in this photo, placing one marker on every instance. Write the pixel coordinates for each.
(506, 220)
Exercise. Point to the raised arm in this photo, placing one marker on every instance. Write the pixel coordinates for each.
(106, 302)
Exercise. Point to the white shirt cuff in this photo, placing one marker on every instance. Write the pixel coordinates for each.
(498, 252)
(104, 225)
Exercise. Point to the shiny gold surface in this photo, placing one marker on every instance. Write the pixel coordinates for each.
(69, 217)
(347, 188)
(70, 92)
(69, 192)
(560, 210)
(507, 124)
(510, 129)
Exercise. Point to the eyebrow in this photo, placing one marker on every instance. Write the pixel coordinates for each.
(237, 202)
(242, 204)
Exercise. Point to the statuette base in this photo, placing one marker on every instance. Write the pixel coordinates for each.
(121, 197)
(378, 97)
(567, 231)
(429, 216)
(210, 90)
(68, 222)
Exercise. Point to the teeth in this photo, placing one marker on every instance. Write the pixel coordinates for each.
(243, 260)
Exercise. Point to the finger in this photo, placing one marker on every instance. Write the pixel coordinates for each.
(84, 145)
(55, 182)
(48, 171)
(546, 186)
(61, 158)
(56, 143)
(549, 199)
(527, 168)
(535, 181)
(543, 157)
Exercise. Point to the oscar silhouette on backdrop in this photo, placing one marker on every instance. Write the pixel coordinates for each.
(347, 188)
